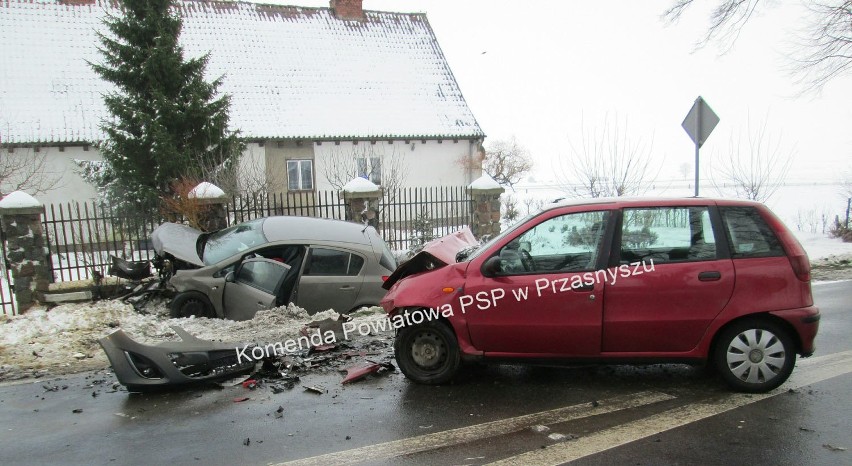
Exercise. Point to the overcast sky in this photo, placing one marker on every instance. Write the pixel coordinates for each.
(537, 69)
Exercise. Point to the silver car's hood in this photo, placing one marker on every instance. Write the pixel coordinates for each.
(177, 240)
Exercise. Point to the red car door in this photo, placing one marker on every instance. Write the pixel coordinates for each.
(537, 302)
(682, 282)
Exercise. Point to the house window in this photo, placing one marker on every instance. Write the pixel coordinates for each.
(371, 169)
(300, 175)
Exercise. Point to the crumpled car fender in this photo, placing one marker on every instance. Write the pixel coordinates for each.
(142, 367)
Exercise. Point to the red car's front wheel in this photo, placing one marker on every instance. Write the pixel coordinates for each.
(428, 353)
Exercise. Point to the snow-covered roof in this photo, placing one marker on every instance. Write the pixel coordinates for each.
(292, 72)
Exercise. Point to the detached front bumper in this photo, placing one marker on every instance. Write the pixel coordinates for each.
(142, 367)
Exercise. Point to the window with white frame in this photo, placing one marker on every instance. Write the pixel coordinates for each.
(370, 168)
(300, 175)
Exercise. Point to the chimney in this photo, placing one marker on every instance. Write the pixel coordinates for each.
(348, 9)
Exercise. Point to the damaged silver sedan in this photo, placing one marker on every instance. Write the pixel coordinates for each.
(318, 264)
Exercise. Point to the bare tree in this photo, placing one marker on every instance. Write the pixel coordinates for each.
(825, 50)
(685, 169)
(754, 166)
(247, 176)
(24, 169)
(726, 20)
(387, 170)
(608, 162)
(846, 194)
(506, 161)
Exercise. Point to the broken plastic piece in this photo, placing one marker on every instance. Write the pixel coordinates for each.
(240, 399)
(315, 389)
(192, 360)
(359, 372)
(322, 348)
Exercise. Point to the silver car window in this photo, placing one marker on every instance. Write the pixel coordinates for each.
(333, 262)
(225, 243)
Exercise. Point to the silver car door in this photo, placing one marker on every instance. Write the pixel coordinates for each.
(331, 279)
(253, 287)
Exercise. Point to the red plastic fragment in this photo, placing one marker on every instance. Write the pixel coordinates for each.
(241, 399)
(359, 372)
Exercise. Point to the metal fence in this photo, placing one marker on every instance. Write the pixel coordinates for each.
(82, 236)
(7, 297)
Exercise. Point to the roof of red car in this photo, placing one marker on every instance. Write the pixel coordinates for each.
(616, 202)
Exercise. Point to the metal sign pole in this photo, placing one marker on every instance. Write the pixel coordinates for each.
(698, 102)
(698, 124)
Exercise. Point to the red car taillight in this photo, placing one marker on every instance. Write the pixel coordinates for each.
(801, 267)
(795, 252)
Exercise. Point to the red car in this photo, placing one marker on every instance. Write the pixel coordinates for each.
(612, 281)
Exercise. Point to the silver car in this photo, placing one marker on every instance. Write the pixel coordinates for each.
(318, 264)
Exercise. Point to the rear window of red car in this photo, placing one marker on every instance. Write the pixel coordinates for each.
(748, 234)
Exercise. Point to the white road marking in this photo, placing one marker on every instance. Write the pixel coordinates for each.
(461, 435)
(810, 371)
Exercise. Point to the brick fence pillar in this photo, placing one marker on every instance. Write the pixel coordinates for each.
(26, 247)
(362, 201)
(485, 207)
(211, 206)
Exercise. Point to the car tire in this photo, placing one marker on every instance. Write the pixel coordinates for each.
(755, 355)
(428, 353)
(191, 303)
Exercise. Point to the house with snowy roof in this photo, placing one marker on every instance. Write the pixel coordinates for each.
(315, 92)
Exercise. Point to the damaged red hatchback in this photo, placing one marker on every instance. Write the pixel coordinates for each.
(613, 281)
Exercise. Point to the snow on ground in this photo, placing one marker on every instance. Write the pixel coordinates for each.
(820, 247)
(64, 339)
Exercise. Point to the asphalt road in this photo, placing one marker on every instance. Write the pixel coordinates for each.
(662, 414)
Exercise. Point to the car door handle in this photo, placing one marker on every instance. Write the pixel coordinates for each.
(711, 276)
(583, 287)
(347, 288)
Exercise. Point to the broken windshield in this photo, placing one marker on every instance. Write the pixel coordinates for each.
(225, 243)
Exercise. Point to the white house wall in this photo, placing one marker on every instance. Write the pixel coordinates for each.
(428, 163)
(58, 165)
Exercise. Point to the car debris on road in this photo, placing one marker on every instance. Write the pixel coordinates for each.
(193, 361)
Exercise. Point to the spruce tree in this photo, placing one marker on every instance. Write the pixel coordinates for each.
(166, 121)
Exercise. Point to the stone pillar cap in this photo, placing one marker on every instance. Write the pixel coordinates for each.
(361, 187)
(486, 185)
(19, 201)
(206, 190)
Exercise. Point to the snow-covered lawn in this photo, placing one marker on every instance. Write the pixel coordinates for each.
(820, 247)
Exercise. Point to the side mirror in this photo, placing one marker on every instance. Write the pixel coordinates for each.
(230, 277)
(492, 267)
